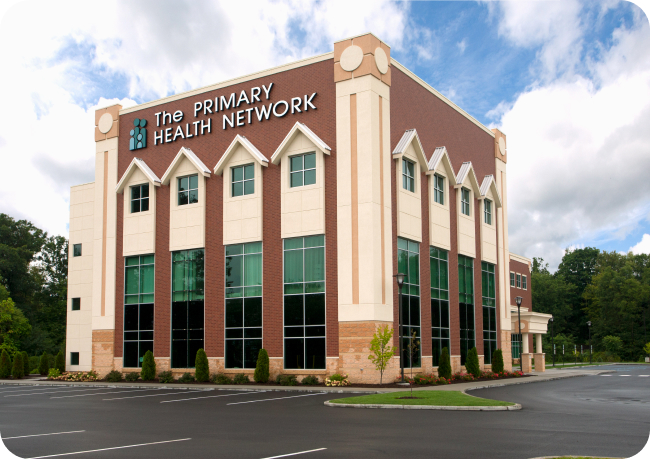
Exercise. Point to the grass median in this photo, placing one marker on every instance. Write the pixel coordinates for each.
(424, 397)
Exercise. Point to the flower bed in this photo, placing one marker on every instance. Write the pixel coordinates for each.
(76, 376)
(460, 377)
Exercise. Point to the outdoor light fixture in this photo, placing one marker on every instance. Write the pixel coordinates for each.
(589, 328)
(552, 341)
(400, 282)
(521, 337)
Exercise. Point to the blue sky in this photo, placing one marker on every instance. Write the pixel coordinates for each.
(568, 82)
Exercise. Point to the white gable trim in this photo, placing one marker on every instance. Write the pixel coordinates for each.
(440, 155)
(322, 146)
(490, 185)
(248, 146)
(466, 172)
(137, 162)
(409, 137)
(189, 154)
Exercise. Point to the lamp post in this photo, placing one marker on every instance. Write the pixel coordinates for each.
(521, 337)
(589, 327)
(552, 341)
(400, 283)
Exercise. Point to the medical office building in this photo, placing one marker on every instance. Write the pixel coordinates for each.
(273, 210)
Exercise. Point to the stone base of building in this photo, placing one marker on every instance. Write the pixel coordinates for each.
(455, 363)
(540, 362)
(506, 349)
(103, 351)
(527, 362)
(354, 349)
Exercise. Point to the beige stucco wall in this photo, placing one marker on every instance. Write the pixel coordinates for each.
(503, 254)
(466, 227)
(80, 276)
(187, 222)
(409, 204)
(242, 215)
(439, 216)
(303, 207)
(139, 234)
(488, 232)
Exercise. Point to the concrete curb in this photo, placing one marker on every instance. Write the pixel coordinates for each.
(515, 407)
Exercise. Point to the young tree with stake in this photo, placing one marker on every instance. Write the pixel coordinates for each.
(382, 352)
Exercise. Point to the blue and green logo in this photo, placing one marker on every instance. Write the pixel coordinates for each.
(138, 135)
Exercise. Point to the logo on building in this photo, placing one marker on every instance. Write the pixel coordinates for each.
(138, 135)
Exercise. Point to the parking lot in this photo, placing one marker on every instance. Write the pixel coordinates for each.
(591, 415)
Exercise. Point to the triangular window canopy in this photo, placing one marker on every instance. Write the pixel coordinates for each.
(137, 163)
(248, 146)
(440, 156)
(489, 184)
(189, 154)
(299, 127)
(411, 137)
(465, 173)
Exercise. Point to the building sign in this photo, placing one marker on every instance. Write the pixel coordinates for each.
(138, 134)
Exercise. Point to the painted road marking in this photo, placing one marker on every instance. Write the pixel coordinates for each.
(605, 375)
(212, 396)
(625, 375)
(30, 388)
(42, 435)
(108, 449)
(104, 393)
(278, 398)
(56, 392)
(157, 395)
(295, 454)
(643, 376)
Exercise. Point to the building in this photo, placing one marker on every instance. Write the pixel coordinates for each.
(273, 210)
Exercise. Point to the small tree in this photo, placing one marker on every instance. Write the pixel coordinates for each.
(613, 344)
(202, 373)
(646, 349)
(59, 363)
(497, 361)
(444, 367)
(26, 369)
(148, 367)
(5, 365)
(413, 347)
(471, 363)
(44, 365)
(261, 374)
(18, 370)
(382, 352)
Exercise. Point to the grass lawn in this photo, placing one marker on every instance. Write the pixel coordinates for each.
(428, 397)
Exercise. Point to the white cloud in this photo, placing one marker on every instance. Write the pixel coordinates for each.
(642, 247)
(462, 45)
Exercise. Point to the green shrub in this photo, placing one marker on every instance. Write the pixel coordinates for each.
(444, 367)
(165, 377)
(114, 376)
(26, 366)
(44, 365)
(471, 363)
(497, 361)
(424, 379)
(53, 373)
(287, 380)
(202, 368)
(262, 367)
(310, 380)
(132, 376)
(18, 369)
(5, 364)
(59, 362)
(220, 378)
(241, 378)
(33, 363)
(186, 378)
(148, 367)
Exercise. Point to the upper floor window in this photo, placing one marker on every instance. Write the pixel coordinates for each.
(140, 198)
(188, 190)
(518, 280)
(512, 279)
(243, 180)
(76, 250)
(303, 170)
(76, 304)
(439, 189)
(464, 201)
(408, 175)
(487, 211)
(524, 282)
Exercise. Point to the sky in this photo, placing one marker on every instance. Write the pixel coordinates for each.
(567, 81)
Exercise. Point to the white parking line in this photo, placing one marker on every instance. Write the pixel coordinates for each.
(30, 388)
(158, 395)
(56, 392)
(108, 449)
(605, 375)
(295, 454)
(211, 396)
(104, 393)
(42, 435)
(643, 376)
(625, 375)
(278, 398)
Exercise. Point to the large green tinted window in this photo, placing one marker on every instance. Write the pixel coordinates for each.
(515, 343)
(408, 175)
(439, 302)
(187, 306)
(243, 304)
(408, 262)
(489, 310)
(304, 303)
(466, 305)
(303, 170)
(138, 309)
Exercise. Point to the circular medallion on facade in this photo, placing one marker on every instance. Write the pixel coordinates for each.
(105, 123)
(381, 60)
(502, 146)
(351, 58)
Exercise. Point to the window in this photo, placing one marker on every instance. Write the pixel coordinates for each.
(243, 304)
(303, 170)
(188, 190)
(466, 305)
(76, 250)
(487, 211)
(439, 189)
(243, 180)
(464, 201)
(518, 280)
(515, 345)
(489, 311)
(138, 309)
(408, 175)
(439, 303)
(512, 279)
(76, 304)
(304, 303)
(74, 358)
(524, 282)
(140, 198)
(187, 306)
(408, 263)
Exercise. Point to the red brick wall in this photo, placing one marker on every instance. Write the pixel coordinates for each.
(521, 268)
(266, 136)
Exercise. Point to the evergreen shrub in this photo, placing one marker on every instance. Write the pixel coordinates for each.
(59, 362)
(114, 376)
(310, 380)
(18, 370)
(165, 377)
(132, 376)
(261, 374)
(220, 378)
(241, 378)
(5, 364)
(287, 380)
(202, 368)
(26, 366)
(497, 361)
(186, 378)
(444, 367)
(44, 365)
(148, 367)
(471, 363)
(33, 363)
